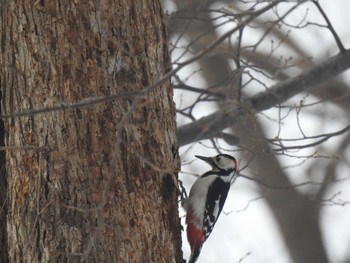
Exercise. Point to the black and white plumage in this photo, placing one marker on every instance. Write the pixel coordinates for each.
(206, 200)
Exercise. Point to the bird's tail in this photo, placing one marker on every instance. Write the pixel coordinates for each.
(195, 254)
(195, 236)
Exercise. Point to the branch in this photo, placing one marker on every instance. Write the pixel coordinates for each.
(325, 137)
(209, 126)
(96, 100)
(330, 27)
(74, 105)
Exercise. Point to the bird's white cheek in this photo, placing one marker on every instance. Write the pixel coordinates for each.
(228, 179)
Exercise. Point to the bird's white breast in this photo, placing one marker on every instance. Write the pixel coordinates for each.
(198, 195)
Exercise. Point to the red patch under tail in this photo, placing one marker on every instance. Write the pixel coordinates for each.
(195, 236)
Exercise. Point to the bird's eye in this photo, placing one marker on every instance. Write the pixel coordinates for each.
(218, 159)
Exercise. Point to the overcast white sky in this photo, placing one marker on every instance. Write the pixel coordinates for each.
(246, 231)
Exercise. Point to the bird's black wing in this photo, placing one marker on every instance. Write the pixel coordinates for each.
(216, 198)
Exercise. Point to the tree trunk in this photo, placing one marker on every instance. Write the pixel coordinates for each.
(96, 183)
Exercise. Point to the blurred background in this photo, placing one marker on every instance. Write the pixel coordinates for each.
(291, 203)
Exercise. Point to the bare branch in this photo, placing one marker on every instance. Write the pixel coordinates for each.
(280, 187)
(210, 125)
(70, 106)
(325, 137)
(94, 100)
(25, 148)
(330, 27)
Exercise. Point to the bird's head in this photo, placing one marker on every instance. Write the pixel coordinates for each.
(221, 162)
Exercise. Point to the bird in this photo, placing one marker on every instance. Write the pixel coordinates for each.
(206, 200)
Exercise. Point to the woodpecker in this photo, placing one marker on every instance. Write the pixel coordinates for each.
(206, 200)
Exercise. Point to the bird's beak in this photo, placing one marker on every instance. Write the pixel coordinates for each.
(208, 160)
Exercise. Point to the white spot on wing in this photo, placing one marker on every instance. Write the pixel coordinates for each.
(216, 207)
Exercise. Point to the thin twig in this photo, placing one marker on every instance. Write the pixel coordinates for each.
(210, 125)
(330, 27)
(94, 100)
(25, 148)
(275, 187)
(325, 138)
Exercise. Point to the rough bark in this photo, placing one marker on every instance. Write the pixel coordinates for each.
(97, 183)
(3, 195)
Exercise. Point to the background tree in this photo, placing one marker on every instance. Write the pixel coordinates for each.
(88, 128)
(242, 62)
